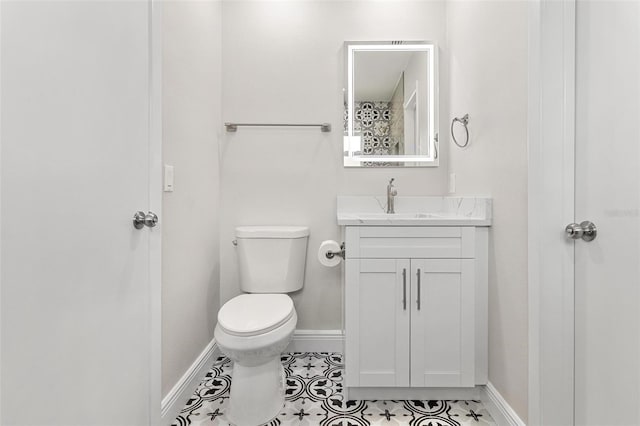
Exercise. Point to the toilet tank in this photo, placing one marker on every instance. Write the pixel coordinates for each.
(271, 258)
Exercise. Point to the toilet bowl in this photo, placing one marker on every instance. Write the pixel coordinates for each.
(253, 329)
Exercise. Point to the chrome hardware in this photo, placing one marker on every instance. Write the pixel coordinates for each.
(140, 220)
(574, 231)
(151, 219)
(391, 192)
(234, 242)
(233, 127)
(435, 146)
(418, 301)
(464, 121)
(585, 230)
(332, 254)
(404, 289)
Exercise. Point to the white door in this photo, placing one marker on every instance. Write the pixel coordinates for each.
(607, 269)
(75, 301)
(377, 321)
(442, 322)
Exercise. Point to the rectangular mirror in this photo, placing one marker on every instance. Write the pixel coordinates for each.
(391, 105)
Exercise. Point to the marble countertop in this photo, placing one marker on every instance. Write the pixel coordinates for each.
(415, 211)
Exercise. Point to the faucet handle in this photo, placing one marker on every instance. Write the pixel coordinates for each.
(391, 181)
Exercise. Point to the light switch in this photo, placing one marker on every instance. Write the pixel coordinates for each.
(168, 178)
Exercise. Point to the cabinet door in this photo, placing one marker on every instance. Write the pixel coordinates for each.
(442, 323)
(377, 322)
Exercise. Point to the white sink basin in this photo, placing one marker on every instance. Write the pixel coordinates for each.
(417, 211)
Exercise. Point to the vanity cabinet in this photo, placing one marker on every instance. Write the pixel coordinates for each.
(415, 311)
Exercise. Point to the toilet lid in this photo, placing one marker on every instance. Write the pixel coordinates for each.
(251, 314)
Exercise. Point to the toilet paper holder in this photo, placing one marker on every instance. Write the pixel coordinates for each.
(332, 254)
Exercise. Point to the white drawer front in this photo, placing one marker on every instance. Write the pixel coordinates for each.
(410, 242)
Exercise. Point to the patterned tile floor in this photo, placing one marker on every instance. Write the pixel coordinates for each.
(314, 397)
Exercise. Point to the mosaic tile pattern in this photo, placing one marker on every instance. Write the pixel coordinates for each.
(372, 121)
(314, 397)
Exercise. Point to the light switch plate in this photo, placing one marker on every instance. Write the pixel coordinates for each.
(168, 178)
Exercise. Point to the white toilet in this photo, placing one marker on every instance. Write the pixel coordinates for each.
(253, 329)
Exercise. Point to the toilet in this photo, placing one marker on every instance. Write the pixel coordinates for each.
(254, 328)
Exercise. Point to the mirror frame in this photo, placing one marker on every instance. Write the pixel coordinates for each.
(430, 160)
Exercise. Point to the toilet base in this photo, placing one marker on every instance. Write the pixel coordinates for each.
(257, 393)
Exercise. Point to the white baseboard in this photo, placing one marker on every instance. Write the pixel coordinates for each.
(317, 341)
(499, 409)
(178, 396)
(393, 393)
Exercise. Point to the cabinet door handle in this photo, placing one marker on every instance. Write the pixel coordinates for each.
(418, 301)
(404, 289)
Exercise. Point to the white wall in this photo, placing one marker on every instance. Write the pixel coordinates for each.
(283, 62)
(488, 80)
(191, 131)
(414, 76)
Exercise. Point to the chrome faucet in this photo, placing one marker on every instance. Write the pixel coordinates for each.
(391, 193)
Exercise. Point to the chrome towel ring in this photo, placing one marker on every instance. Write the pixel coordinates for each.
(464, 120)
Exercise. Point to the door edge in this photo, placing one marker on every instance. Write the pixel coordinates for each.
(155, 205)
(551, 188)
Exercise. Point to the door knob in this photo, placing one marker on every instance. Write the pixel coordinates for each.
(585, 230)
(141, 220)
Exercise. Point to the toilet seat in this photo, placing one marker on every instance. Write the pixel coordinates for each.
(255, 314)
